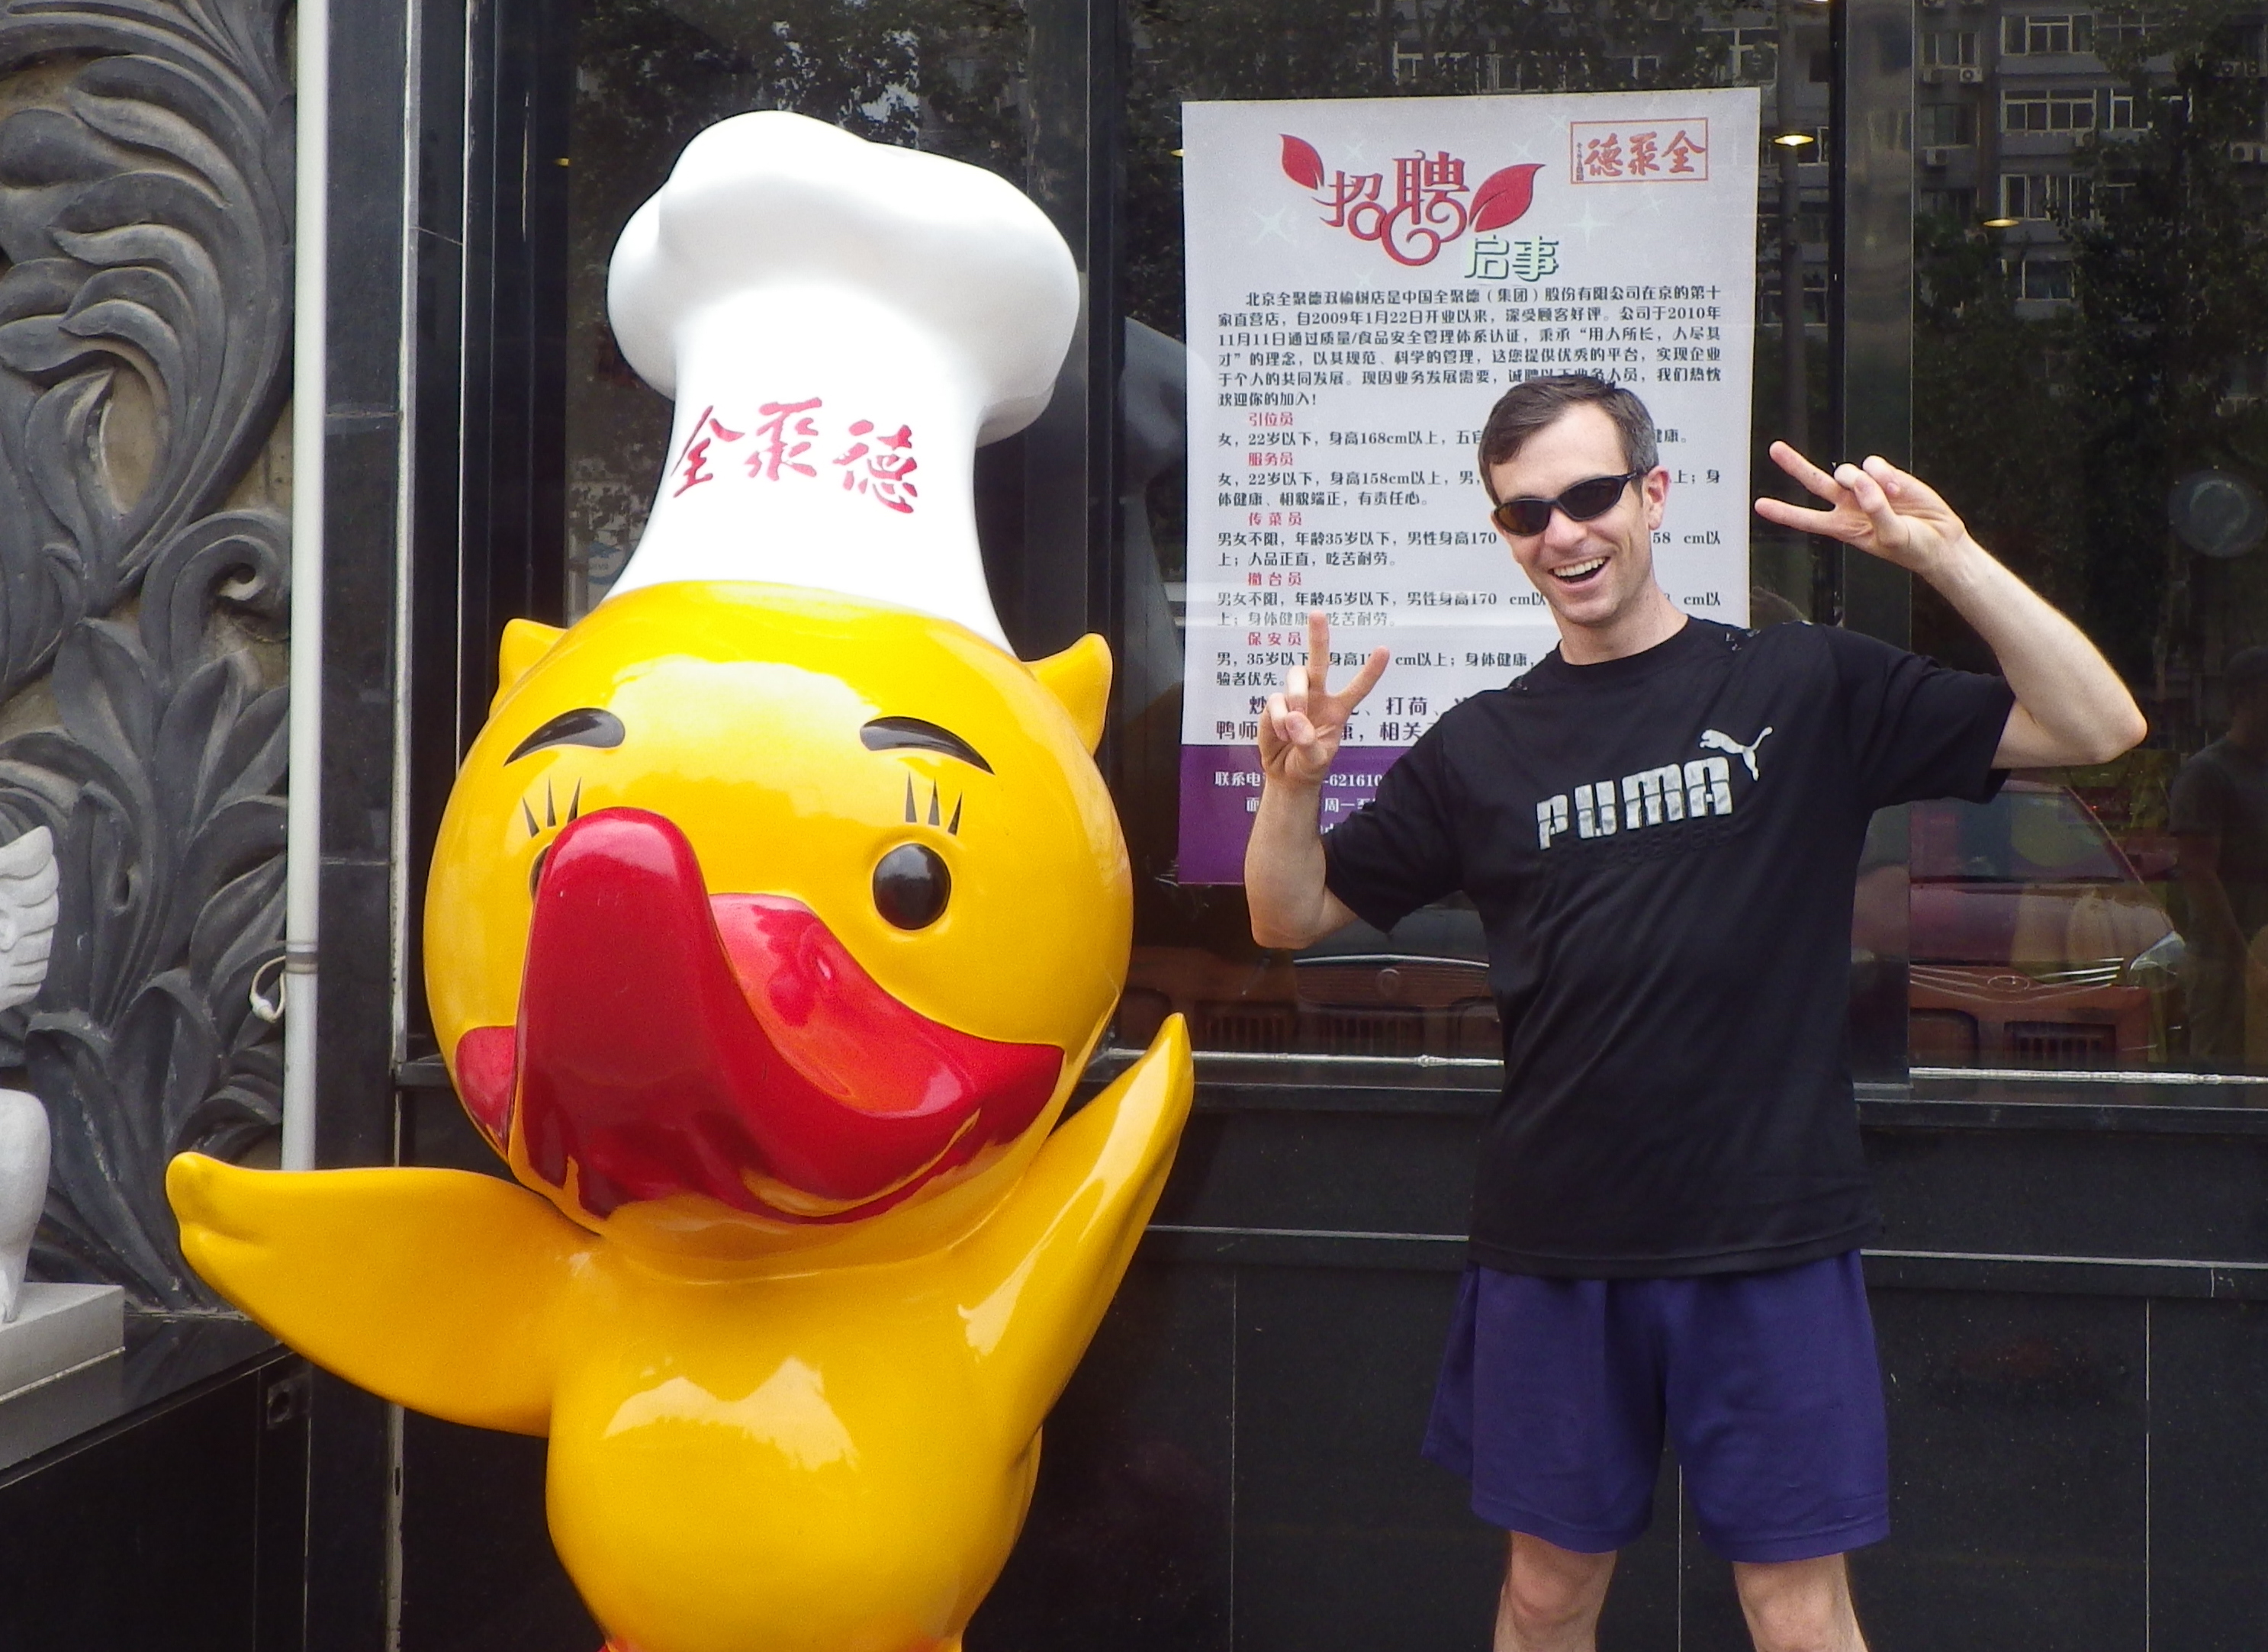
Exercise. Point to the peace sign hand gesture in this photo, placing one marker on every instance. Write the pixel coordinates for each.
(1876, 507)
(1299, 732)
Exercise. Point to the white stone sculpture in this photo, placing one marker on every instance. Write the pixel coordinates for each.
(27, 929)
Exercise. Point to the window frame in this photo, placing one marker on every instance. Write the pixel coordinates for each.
(2050, 102)
(2033, 33)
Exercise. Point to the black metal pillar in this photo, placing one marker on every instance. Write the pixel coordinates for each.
(1073, 170)
(1871, 281)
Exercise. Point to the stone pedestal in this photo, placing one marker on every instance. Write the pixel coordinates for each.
(59, 1328)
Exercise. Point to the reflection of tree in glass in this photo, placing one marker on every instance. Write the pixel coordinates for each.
(939, 74)
(944, 75)
(1992, 431)
(2060, 436)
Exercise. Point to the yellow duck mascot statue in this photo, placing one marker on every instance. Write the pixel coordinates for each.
(774, 917)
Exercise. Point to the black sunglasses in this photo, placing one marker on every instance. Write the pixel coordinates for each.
(1527, 518)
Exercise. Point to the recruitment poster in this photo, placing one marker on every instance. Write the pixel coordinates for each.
(1366, 277)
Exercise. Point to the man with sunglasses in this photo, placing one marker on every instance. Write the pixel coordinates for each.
(1661, 825)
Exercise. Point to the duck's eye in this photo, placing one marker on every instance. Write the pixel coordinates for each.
(912, 886)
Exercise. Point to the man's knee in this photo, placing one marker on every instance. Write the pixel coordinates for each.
(1548, 1589)
(1799, 1607)
(1542, 1606)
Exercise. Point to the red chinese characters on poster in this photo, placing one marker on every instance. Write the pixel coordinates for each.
(1430, 205)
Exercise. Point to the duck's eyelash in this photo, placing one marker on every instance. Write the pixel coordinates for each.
(913, 813)
(551, 819)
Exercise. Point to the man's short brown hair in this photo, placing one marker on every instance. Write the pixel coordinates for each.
(1527, 408)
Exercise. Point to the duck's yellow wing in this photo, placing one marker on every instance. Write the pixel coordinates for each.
(1039, 1273)
(439, 1290)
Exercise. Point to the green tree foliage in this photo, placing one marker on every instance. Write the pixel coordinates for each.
(2060, 435)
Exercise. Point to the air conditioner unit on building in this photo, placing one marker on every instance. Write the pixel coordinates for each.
(1972, 76)
(2248, 154)
(1936, 155)
(1934, 76)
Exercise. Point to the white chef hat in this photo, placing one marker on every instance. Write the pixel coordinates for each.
(841, 324)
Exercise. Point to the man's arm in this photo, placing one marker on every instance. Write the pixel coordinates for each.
(2213, 916)
(2070, 708)
(1283, 870)
(1299, 735)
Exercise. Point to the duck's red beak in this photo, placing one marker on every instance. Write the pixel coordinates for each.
(674, 1041)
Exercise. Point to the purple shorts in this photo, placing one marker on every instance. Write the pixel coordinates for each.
(1555, 1395)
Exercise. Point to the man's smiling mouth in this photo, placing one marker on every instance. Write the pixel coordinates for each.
(1575, 573)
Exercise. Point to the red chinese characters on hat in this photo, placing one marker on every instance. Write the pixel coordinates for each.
(882, 468)
(780, 447)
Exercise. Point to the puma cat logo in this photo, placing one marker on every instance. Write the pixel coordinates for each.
(1712, 741)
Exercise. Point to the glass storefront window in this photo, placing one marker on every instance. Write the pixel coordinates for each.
(2090, 388)
(2089, 393)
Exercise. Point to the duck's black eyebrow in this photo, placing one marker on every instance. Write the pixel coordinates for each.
(887, 734)
(586, 725)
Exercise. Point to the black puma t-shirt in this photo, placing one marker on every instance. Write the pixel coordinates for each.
(1663, 850)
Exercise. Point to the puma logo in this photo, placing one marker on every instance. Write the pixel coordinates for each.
(1650, 798)
(1712, 741)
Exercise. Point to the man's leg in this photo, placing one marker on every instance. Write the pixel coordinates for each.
(1550, 1403)
(1551, 1597)
(1796, 1606)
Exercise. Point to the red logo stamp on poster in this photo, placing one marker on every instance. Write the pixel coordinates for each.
(1639, 151)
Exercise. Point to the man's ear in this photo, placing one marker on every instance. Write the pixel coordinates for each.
(1080, 678)
(1656, 484)
(525, 643)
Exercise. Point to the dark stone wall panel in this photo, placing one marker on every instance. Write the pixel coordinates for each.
(2208, 1475)
(1127, 1546)
(1364, 1173)
(2092, 1193)
(1345, 1535)
(154, 1538)
(2017, 1461)
(503, 1592)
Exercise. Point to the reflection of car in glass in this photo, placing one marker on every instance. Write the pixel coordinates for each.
(2034, 941)
(1423, 991)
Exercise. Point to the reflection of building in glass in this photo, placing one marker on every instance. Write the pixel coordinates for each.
(2018, 113)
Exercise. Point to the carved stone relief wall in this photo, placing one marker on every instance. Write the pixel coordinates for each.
(145, 196)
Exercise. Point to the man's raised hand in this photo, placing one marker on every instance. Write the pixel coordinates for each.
(1299, 732)
(1876, 507)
